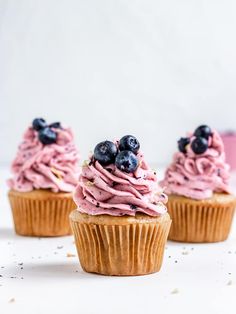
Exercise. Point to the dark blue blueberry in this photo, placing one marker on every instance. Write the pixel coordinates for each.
(182, 143)
(126, 161)
(129, 142)
(39, 124)
(47, 136)
(105, 152)
(55, 125)
(203, 131)
(199, 145)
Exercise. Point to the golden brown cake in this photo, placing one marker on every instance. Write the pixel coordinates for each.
(41, 212)
(201, 220)
(126, 246)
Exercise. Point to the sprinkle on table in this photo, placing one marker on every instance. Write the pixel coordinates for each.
(70, 255)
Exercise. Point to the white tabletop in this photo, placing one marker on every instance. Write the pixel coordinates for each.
(43, 275)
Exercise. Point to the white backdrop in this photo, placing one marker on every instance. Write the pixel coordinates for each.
(110, 67)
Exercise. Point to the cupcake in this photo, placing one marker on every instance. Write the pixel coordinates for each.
(45, 172)
(121, 224)
(197, 184)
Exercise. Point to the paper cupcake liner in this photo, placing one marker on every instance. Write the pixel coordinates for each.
(201, 221)
(117, 249)
(41, 213)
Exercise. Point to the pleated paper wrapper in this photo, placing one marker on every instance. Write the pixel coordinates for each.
(41, 213)
(201, 221)
(122, 246)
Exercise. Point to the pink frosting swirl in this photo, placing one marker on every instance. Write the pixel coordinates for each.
(107, 190)
(198, 176)
(39, 166)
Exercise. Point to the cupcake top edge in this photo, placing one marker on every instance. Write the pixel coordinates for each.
(198, 169)
(47, 158)
(117, 181)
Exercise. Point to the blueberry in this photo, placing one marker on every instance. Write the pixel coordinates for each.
(39, 124)
(199, 145)
(105, 152)
(47, 136)
(129, 142)
(203, 131)
(126, 161)
(55, 125)
(182, 143)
